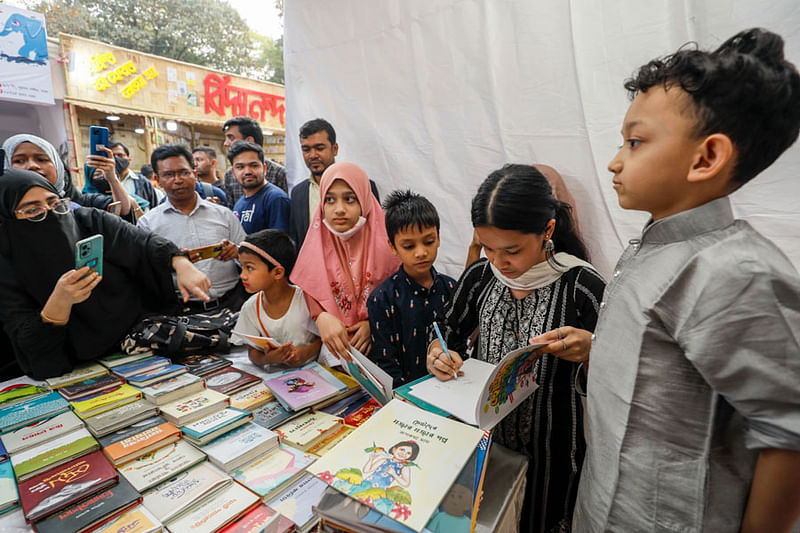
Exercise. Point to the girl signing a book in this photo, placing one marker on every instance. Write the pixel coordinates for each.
(344, 257)
(277, 310)
(535, 281)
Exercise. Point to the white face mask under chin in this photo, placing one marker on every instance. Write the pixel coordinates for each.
(345, 235)
(541, 274)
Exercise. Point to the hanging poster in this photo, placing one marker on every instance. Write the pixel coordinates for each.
(24, 62)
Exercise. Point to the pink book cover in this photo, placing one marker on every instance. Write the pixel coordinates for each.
(301, 388)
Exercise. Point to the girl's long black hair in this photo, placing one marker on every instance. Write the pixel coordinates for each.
(518, 197)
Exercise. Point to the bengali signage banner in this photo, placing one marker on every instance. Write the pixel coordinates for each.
(142, 83)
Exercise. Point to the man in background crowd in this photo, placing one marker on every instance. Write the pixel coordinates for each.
(248, 129)
(132, 182)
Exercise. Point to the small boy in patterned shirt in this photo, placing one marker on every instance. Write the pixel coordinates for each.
(402, 308)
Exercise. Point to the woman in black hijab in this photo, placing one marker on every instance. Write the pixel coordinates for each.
(56, 317)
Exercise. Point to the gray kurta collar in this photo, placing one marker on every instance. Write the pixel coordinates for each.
(714, 215)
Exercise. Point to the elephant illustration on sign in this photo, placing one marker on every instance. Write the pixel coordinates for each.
(33, 33)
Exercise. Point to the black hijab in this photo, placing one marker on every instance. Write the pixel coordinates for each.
(38, 252)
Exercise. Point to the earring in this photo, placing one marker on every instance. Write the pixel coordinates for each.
(549, 247)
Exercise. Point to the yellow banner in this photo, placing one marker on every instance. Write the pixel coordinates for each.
(142, 83)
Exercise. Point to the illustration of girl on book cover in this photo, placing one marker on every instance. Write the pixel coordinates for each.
(384, 479)
(299, 385)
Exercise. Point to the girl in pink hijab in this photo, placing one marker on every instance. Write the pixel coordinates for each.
(344, 257)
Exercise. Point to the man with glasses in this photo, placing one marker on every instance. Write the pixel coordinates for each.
(191, 222)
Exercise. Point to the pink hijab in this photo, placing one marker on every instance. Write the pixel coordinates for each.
(339, 274)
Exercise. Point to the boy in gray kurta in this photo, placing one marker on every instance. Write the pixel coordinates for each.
(694, 381)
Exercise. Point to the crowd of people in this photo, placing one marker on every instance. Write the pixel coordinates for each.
(684, 369)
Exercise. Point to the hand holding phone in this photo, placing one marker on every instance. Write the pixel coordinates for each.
(205, 252)
(89, 253)
(98, 135)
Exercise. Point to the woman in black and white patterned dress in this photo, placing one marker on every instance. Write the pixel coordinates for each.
(536, 285)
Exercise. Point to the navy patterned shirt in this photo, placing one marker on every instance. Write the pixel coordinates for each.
(401, 314)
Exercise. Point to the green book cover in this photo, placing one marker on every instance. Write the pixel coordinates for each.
(53, 453)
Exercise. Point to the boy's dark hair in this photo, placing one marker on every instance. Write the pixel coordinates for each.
(248, 127)
(124, 148)
(317, 125)
(744, 89)
(210, 152)
(519, 197)
(276, 243)
(239, 147)
(146, 171)
(411, 444)
(404, 209)
(166, 151)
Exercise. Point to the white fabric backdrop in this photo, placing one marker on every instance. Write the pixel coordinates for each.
(435, 94)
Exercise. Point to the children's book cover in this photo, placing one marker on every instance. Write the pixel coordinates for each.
(230, 379)
(309, 429)
(300, 388)
(401, 462)
(152, 468)
(221, 509)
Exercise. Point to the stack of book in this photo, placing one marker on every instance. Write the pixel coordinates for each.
(149, 370)
(229, 380)
(173, 389)
(215, 425)
(310, 429)
(252, 397)
(201, 365)
(240, 446)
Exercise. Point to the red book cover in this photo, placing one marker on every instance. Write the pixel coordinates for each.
(230, 380)
(59, 487)
(362, 414)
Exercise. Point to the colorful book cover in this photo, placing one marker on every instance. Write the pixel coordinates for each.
(105, 401)
(31, 411)
(173, 389)
(55, 452)
(252, 398)
(120, 417)
(181, 493)
(129, 431)
(259, 520)
(9, 498)
(3, 453)
(55, 489)
(152, 468)
(296, 501)
(41, 431)
(139, 444)
(222, 508)
(401, 462)
(137, 520)
(313, 365)
(90, 386)
(309, 429)
(194, 407)
(241, 445)
(21, 391)
(326, 445)
(150, 377)
(143, 365)
(301, 388)
(103, 506)
(79, 374)
(200, 365)
(362, 414)
(264, 475)
(230, 379)
(486, 393)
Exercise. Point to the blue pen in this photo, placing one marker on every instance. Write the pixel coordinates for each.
(444, 346)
